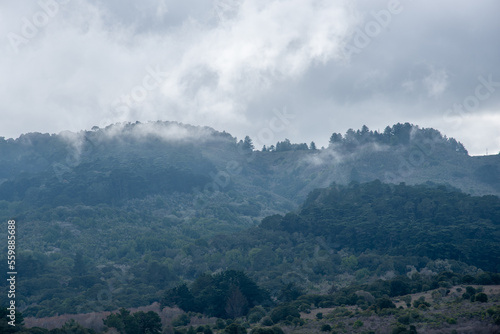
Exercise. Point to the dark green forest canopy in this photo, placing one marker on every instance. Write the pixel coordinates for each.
(131, 217)
(364, 229)
(229, 294)
(431, 221)
(135, 160)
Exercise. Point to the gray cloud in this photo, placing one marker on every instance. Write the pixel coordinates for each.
(229, 63)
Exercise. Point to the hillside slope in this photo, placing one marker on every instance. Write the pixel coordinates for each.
(133, 209)
(127, 161)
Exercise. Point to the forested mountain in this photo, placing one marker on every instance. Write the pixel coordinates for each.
(126, 161)
(191, 217)
(434, 222)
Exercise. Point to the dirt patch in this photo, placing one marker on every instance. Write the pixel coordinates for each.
(455, 291)
(490, 290)
(313, 313)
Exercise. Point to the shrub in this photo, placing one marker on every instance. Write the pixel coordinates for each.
(273, 330)
(382, 303)
(494, 313)
(407, 300)
(326, 328)
(470, 290)
(256, 314)
(306, 308)
(282, 312)
(278, 330)
(235, 329)
(326, 303)
(467, 279)
(319, 315)
(405, 319)
(181, 320)
(403, 330)
(267, 321)
(220, 324)
(298, 322)
(399, 330)
(481, 297)
(204, 329)
(484, 278)
(421, 303)
(254, 317)
(357, 324)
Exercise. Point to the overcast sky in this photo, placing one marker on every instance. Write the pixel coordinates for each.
(271, 69)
